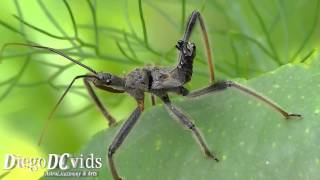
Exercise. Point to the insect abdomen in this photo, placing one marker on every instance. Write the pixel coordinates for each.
(184, 69)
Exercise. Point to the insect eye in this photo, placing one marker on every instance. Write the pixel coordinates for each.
(108, 76)
(105, 77)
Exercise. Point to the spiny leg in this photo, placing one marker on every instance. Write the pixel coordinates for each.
(184, 120)
(222, 85)
(189, 29)
(111, 120)
(121, 135)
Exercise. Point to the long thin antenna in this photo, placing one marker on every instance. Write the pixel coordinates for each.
(57, 105)
(52, 50)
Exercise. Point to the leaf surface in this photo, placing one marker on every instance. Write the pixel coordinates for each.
(251, 140)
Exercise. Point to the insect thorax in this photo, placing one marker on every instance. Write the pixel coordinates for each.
(150, 79)
(138, 79)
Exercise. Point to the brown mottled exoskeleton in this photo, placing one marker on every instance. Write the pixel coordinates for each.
(158, 81)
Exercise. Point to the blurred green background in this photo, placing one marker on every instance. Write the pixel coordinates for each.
(248, 38)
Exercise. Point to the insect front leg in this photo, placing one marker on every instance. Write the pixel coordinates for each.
(111, 120)
(121, 135)
(222, 85)
(185, 121)
(58, 103)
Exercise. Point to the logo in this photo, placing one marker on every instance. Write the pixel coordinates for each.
(60, 165)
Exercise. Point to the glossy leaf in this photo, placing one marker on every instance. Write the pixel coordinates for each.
(251, 140)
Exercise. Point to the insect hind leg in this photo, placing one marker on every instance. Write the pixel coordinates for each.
(195, 15)
(222, 85)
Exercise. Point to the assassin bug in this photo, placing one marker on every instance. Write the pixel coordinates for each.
(157, 81)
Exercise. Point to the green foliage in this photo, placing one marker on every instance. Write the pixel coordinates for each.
(251, 140)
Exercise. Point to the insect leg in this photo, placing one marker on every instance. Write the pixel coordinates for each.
(58, 103)
(120, 137)
(190, 26)
(184, 120)
(153, 100)
(111, 120)
(222, 85)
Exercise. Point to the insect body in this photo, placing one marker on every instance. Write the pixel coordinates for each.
(158, 81)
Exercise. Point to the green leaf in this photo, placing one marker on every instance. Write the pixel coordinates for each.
(251, 139)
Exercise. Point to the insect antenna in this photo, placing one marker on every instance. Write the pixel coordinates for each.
(58, 103)
(55, 51)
